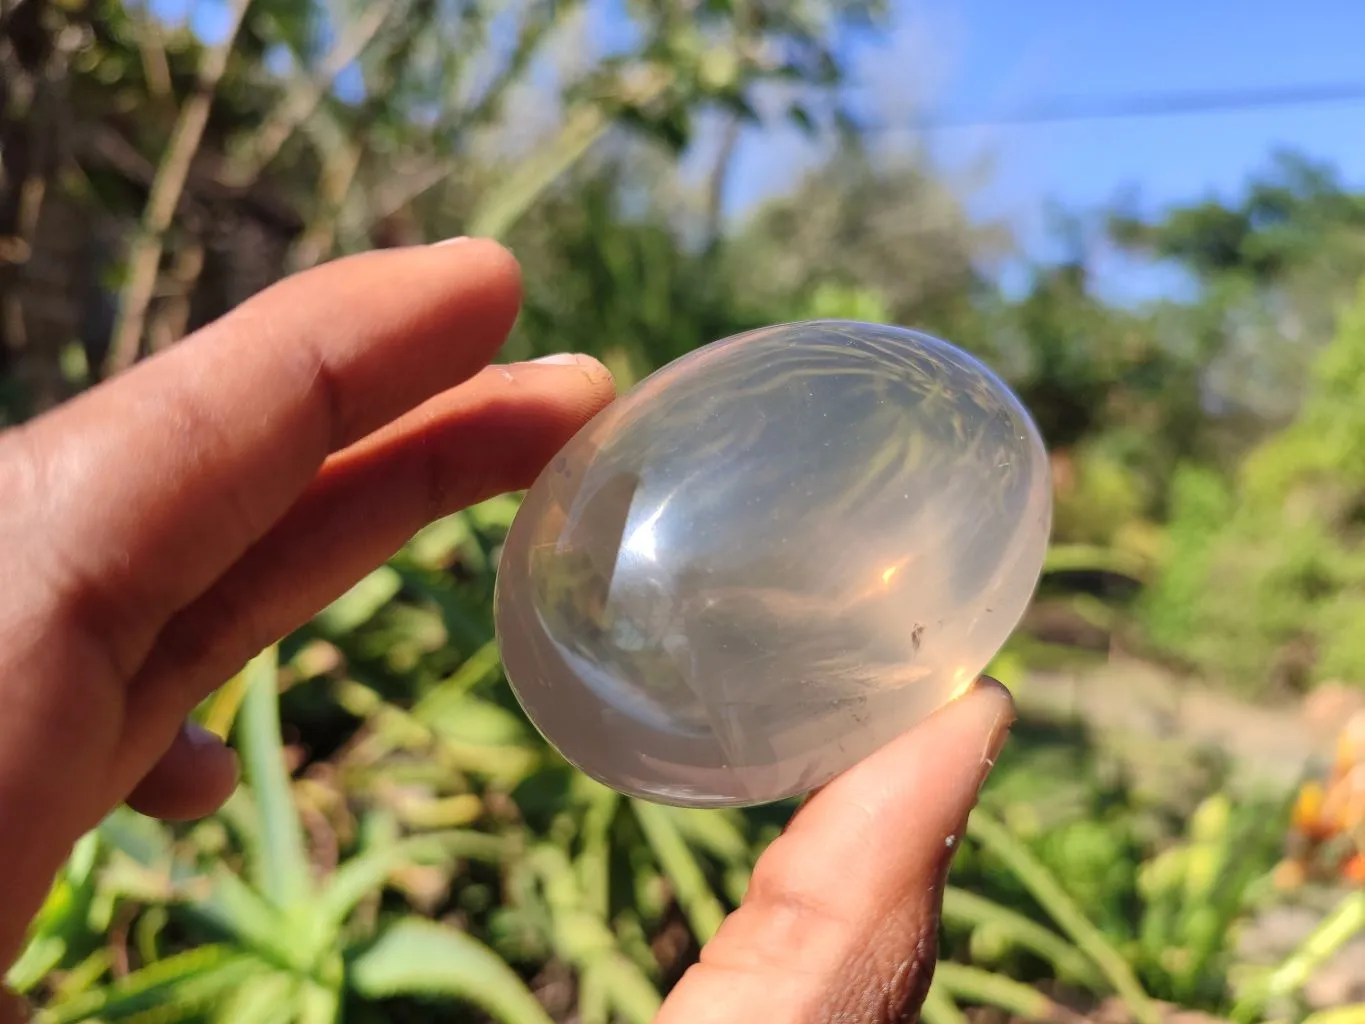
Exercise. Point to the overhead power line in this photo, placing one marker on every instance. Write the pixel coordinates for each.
(1150, 105)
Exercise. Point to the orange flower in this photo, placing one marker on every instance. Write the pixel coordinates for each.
(1307, 817)
(1353, 870)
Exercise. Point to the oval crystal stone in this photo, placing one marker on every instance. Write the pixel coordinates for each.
(770, 558)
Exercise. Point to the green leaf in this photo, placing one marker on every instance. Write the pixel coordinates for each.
(63, 925)
(281, 871)
(437, 543)
(417, 957)
(140, 838)
(495, 513)
(1053, 898)
(467, 719)
(967, 908)
(717, 832)
(516, 192)
(359, 604)
(476, 668)
(357, 878)
(319, 1004)
(364, 873)
(973, 985)
(239, 910)
(594, 1006)
(939, 1008)
(626, 988)
(267, 999)
(179, 988)
(704, 912)
(40, 956)
(84, 857)
(584, 939)
(1345, 922)
(594, 862)
(84, 975)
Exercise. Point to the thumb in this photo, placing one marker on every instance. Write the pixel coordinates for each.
(840, 922)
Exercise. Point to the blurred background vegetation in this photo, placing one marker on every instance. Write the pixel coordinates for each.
(1176, 828)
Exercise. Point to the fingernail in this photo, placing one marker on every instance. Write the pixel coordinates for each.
(1000, 733)
(592, 368)
(199, 737)
(450, 241)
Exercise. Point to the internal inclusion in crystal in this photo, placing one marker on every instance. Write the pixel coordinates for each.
(770, 558)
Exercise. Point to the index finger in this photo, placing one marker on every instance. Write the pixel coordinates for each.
(169, 475)
(840, 921)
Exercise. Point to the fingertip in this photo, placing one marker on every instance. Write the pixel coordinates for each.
(990, 704)
(192, 779)
(979, 719)
(601, 382)
(489, 257)
(590, 365)
(990, 688)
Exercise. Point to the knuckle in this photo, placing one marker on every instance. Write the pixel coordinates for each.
(207, 642)
(452, 477)
(871, 969)
(780, 923)
(781, 884)
(434, 473)
(328, 394)
(886, 979)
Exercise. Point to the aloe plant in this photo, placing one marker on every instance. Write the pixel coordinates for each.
(284, 946)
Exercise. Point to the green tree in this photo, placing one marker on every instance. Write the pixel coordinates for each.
(876, 223)
(1272, 268)
(157, 181)
(1264, 582)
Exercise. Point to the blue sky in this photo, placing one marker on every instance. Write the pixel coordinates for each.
(974, 57)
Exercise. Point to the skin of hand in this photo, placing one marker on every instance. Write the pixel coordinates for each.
(159, 530)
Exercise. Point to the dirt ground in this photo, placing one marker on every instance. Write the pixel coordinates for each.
(1126, 700)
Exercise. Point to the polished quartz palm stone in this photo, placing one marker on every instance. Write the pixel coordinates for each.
(770, 558)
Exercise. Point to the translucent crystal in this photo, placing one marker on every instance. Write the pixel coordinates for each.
(770, 558)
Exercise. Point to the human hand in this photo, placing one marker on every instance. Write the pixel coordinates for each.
(159, 530)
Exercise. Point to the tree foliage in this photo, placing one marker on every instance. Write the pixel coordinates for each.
(1265, 582)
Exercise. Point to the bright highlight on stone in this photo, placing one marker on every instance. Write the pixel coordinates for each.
(770, 558)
